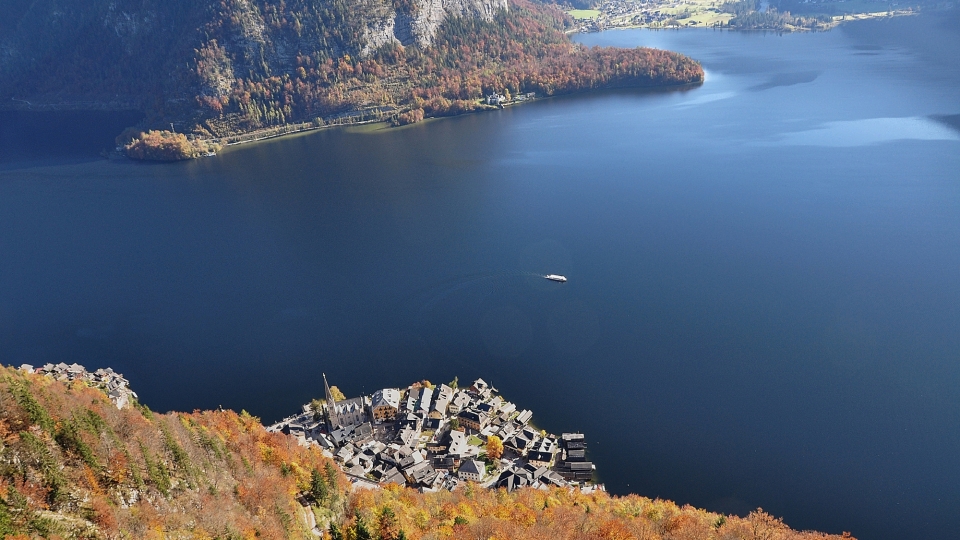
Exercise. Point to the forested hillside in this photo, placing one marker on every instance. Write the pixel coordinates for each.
(74, 466)
(221, 67)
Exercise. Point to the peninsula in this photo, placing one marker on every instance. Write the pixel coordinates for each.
(77, 463)
(208, 73)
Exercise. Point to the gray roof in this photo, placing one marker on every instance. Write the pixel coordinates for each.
(472, 466)
(387, 397)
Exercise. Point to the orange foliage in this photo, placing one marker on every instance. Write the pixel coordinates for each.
(203, 474)
(561, 514)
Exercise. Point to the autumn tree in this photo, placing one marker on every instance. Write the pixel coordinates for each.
(337, 394)
(316, 405)
(388, 527)
(494, 447)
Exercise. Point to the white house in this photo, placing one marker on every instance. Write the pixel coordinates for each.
(472, 469)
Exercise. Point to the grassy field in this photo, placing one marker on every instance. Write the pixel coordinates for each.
(584, 13)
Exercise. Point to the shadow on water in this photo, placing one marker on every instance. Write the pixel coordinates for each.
(28, 137)
(950, 120)
(787, 79)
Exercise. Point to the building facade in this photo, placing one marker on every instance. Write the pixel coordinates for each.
(349, 412)
(385, 404)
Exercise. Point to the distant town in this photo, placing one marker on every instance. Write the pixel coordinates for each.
(437, 437)
(738, 14)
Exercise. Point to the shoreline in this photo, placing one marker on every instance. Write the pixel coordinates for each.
(302, 128)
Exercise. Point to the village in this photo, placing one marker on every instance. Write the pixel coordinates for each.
(438, 437)
(665, 14)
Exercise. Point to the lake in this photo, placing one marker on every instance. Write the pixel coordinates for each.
(763, 306)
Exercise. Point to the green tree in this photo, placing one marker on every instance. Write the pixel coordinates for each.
(388, 526)
(360, 530)
(318, 486)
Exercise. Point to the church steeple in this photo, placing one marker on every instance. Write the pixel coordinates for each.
(331, 404)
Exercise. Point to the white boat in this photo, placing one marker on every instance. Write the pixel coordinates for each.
(555, 277)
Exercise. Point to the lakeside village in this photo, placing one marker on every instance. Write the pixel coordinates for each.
(663, 14)
(437, 437)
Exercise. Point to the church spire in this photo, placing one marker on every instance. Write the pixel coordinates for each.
(331, 404)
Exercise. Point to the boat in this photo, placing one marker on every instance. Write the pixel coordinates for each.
(555, 277)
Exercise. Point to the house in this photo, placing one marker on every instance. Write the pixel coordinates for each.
(341, 435)
(514, 479)
(472, 469)
(473, 419)
(411, 421)
(423, 407)
(540, 458)
(481, 389)
(524, 417)
(421, 473)
(345, 453)
(542, 453)
(461, 400)
(393, 476)
(385, 404)
(362, 434)
(444, 463)
(439, 409)
(408, 437)
(521, 442)
(458, 445)
(495, 99)
(413, 394)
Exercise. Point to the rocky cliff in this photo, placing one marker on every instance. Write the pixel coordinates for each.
(117, 53)
(220, 68)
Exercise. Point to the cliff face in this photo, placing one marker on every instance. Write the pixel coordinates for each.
(107, 53)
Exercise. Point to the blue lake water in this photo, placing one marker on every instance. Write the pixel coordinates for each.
(764, 297)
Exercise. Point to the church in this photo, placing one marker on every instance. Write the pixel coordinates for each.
(346, 413)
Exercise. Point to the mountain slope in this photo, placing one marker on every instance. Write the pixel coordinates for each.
(74, 466)
(222, 67)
